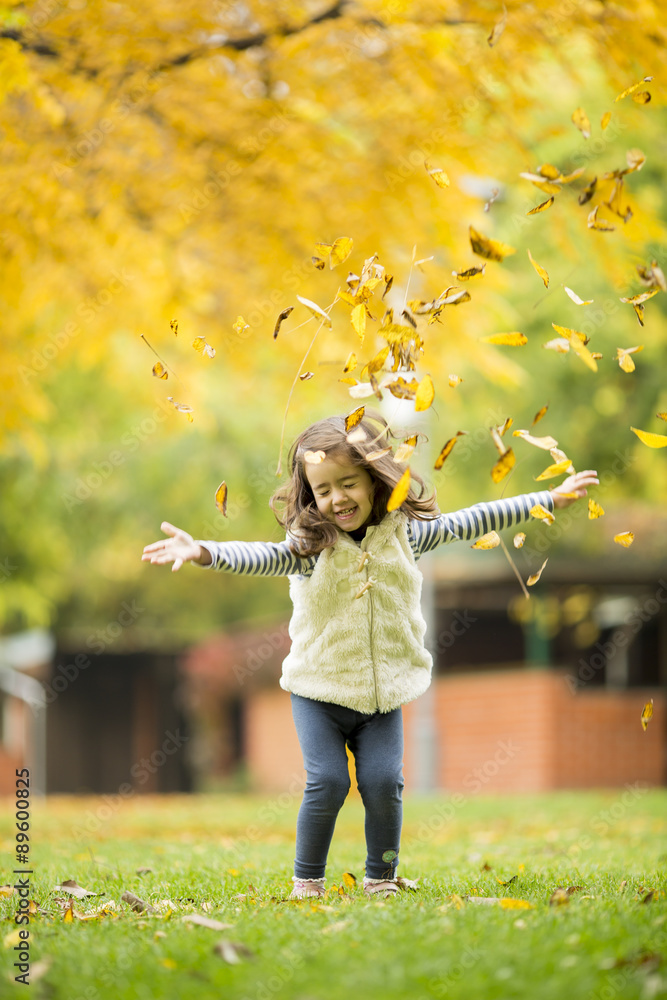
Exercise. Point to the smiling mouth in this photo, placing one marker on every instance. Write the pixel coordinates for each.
(346, 514)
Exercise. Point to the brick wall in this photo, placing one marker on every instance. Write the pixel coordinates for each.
(497, 731)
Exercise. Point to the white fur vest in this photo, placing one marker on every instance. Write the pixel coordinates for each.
(366, 653)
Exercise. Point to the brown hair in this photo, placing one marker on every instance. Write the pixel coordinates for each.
(299, 514)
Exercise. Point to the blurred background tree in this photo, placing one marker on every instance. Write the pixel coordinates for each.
(163, 161)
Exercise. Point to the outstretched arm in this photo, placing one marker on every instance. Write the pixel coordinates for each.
(574, 485)
(178, 549)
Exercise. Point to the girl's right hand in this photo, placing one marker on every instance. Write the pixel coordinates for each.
(178, 549)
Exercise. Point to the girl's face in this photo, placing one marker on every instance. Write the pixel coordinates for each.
(343, 493)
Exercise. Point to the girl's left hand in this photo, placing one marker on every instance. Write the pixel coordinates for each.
(574, 484)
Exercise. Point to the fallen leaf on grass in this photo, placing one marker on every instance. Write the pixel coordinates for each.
(349, 880)
(233, 952)
(138, 905)
(200, 921)
(6, 890)
(143, 870)
(76, 890)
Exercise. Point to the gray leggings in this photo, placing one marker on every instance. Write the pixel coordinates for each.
(377, 744)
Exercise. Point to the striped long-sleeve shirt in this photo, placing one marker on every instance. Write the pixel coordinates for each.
(277, 558)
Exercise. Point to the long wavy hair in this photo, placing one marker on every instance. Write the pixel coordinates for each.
(294, 504)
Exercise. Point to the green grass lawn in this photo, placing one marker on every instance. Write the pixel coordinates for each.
(230, 858)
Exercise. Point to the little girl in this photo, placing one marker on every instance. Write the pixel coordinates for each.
(357, 629)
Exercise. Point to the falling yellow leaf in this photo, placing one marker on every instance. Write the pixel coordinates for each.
(159, 370)
(174, 326)
(471, 272)
(549, 187)
(519, 539)
(438, 175)
(539, 442)
(403, 389)
(354, 418)
(349, 880)
(662, 416)
(540, 413)
(652, 275)
(373, 456)
(201, 347)
(649, 439)
(639, 299)
(542, 207)
(576, 341)
(358, 319)
(404, 450)
(647, 713)
(633, 88)
(604, 121)
(487, 248)
(624, 359)
(557, 469)
(594, 223)
(351, 363)
(514, 339)
(306, 376)
(532, 580)
(575, 298)
(221, 498)
(542, 513)
(425, 393)
(239, 326)
(548, 170)
(642, 97)
(594, 510)
(580, 119)
(181, 407)
(540, 270)
(454, 380)
(314, 457)
(283, 316)
(505, 463)
(340, 251)
(498, 28)
(446, 451)
(315, 310)
(400, 491)
(588, 192)
(489, 541)
(625, 538)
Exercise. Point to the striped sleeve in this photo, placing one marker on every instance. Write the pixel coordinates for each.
(257, 558)
(471, 522)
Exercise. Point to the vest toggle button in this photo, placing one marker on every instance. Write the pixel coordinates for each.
(362, 590)
(362, 562)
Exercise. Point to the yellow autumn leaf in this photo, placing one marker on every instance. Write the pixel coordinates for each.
(633, 88)
(642, 97)
(662, 416)
(400, 491)
(354, 418)
(349, 880)
(201, 347)
(446, 451)
(471, 272)
(588, 192)
(600, 224)
(373, 456)
(358, 319)
(650, 439)
(425, 393)
(487, 248)
(625, 538)
(11, 939)
(575, 298)
(534, 577)
(519, 539)
(647, 713)
(576, 341)
(454, 380)
(581, 121)
(604, 121)
(340, 251)
(540, 270)
(498, 28)
(509, 903)
(438, 175)
(239, 326)
(540, 413)
(505, 463)
(488, 541)
(542, 207)
(159, 370)
(624, 359)
(181, 407)
(549, 187)
(514, 339)
(594, 510)
(542, 513)
(351, 363)
(557, 469)
(315, 310)
(221, 498)
(282, 316)
(404, 450)
(546, 443)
